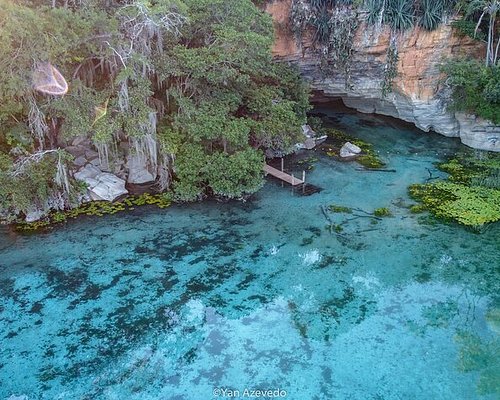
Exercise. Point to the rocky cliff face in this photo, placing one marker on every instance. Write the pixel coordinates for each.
(418, 95)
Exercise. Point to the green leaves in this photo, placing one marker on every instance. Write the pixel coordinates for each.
(432, 13)
(464, 198)
(476, 88)
(236, 175)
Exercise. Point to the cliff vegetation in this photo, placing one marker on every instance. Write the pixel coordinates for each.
(188, 87)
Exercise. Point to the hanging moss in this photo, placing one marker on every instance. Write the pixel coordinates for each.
(96, 208)
(390, 69)
(342, 27)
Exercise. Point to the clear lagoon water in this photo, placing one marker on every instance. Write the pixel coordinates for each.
(181, 302)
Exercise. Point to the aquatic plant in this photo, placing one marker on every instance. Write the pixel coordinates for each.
(470, 206)
(368, 159)
(335, 208)
(96, 208)
(471, 194)
(382, 212)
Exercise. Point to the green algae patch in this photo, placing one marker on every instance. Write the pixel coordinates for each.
(96, 208)
(335, 208)
(471, 194)
(382, 212)
(370, 161)
(337, 138)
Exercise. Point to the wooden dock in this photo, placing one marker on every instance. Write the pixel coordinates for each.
(282, 175)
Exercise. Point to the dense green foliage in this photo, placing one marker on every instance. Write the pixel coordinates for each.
(404, 14)
(470, 196)
(190, 84)
(476, 88)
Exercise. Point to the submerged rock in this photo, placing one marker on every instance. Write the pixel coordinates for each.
(349, 150)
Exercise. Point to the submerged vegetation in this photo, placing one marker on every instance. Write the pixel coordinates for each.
(96, 208)
(368, 157)
(470, 196)
(188, 86)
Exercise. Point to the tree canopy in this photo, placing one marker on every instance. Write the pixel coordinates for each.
(189, 83)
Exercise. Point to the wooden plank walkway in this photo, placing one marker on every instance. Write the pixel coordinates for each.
(282, 175)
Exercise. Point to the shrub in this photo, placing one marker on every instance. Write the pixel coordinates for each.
(476, 88)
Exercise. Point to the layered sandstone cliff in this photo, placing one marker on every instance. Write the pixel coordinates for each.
(419, 94)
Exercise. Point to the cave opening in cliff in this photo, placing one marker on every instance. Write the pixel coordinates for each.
(328, 108)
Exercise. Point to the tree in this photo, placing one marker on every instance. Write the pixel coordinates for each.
(488, 9)
(185, 83)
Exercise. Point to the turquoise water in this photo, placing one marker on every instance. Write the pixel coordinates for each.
(192, 301)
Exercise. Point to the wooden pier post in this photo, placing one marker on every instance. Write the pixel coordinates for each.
(303, 176)
(282, 164)
(293, 180)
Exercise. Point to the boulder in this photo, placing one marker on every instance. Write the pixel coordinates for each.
(308, 131)
(34, 215)
(81, 141)
(89, 171)
(75, 151)
(349, 150)
(91, 154)
(109, 187)
(138, 171)
(101, 185)
(80, 161)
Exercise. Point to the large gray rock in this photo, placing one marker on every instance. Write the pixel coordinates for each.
(308, 131)
(138, 171)
(349, 150)
(109, 187)
(101, 185)
(34, 215)
(89, 171)
(80, 161)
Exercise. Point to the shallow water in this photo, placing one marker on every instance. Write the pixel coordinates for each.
(181, 302)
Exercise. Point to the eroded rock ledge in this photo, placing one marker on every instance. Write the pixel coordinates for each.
(419, 95)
